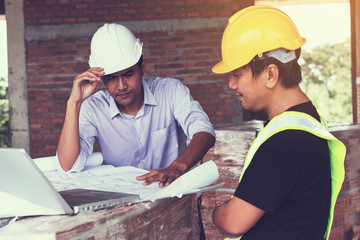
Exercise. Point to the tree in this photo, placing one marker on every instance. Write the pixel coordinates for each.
(327, 80)
(4, 114)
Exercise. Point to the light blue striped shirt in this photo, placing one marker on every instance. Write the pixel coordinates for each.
(153, 138)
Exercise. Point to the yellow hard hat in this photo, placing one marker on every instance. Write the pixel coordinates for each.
(253, 31)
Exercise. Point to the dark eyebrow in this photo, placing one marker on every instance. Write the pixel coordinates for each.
(110, 76)
(106, 77)
(127, 72)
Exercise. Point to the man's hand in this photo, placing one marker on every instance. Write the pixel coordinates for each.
(85, 84)
(165, 176)
(196, 149)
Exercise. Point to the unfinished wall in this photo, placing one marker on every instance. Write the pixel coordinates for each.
(181, 39)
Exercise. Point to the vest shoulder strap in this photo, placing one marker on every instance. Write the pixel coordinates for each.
(286, 121)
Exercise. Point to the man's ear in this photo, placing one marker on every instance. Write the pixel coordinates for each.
(272, 75)
(143, 66)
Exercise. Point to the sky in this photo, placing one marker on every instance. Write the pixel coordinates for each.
(318, 23)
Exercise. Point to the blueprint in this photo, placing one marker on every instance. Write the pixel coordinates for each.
(123, 179)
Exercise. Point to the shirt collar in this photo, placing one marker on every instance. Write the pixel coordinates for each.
(149, 99)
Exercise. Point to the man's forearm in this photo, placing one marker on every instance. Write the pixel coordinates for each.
(219, 221)
(235, 217)
(195, 151)
(69, 142)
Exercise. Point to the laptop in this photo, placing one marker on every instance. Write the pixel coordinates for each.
(26, 191)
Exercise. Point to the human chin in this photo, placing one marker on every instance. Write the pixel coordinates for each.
(124, 100)
(245, 105)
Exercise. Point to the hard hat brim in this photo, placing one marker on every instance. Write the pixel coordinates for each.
(222, 67)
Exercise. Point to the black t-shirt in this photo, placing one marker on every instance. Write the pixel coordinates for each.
(289, 178)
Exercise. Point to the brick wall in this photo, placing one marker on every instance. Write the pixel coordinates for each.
(181, 39)
(229, 153)
(79, 11)
(51, 66)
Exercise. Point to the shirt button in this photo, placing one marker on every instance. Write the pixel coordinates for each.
(141, 165)
(141, 140)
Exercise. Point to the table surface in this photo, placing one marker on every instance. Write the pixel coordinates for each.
(170, 217)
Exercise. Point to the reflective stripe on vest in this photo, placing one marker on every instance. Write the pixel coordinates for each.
(291, 120)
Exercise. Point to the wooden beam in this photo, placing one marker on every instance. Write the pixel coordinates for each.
(355, 58)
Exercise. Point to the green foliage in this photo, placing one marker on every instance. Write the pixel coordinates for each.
(4, 115)
(327, 80)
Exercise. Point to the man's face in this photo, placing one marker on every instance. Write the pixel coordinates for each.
(126, 88)
(250, 92)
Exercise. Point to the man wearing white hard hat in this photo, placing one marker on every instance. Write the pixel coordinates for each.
(140, 123)
(294, 169)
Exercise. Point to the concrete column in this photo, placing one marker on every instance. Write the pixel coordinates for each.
(18, 101)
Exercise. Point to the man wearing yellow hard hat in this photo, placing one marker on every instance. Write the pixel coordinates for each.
(294, 169)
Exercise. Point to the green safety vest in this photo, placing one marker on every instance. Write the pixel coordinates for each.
(301, 121)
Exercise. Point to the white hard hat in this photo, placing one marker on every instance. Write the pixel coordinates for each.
(114, 48)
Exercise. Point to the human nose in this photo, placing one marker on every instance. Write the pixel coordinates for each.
(232, 83)
(121, 84)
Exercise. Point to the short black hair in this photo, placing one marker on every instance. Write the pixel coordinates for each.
(139, 63)
(289, 73)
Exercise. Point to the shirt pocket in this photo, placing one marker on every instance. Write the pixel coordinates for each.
(164, 146)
